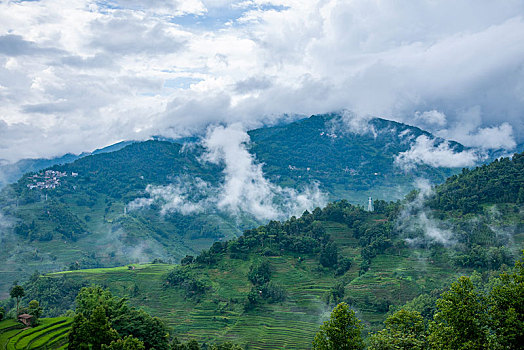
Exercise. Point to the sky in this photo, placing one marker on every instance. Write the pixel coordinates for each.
(76, 75)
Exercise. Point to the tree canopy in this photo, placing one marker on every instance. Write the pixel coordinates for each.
(341, 332)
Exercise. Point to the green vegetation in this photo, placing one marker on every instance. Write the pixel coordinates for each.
(404, 329)
(17, 292)
(348, 163)
(102, 319)
(59, 226)
(51, 333)
(489, 315)
(341, 332)
(270, 287)
(470, 191)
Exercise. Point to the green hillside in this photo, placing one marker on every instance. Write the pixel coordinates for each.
(351, 164)
(56, 228)
(51, 333)
(273, 286)
(220, 313)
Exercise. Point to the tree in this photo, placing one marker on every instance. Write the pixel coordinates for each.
(128, 343)
(79, 334)
(187, 260)
(403, 330)
(329, 255)
(341, 332)
(90, 297)
(507, 308)
(260, 273)
(34, 310)
(92, 332)
(18, 293)
(461, 319)
(2, 313)
(138, 323)
(190, 345)
(102, 319)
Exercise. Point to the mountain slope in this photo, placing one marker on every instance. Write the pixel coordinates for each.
(271, 287)
(57, 227)
(349, 162)
(10, 173)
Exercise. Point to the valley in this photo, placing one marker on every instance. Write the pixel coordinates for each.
(55, 228)
(271, 285)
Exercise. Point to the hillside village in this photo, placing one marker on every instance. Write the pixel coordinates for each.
(48, 179)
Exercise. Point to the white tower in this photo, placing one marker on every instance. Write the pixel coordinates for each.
(370, 204)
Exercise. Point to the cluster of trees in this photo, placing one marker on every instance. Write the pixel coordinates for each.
(467, 316)
(53, 219)
(32, 232)
(103, 321)
(263, 288)
(498, 182)
(306, 235)
(183, 278)
(374, 236)
(33, 308)
(56, 295)
(477, 257)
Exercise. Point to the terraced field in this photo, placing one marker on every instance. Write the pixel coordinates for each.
(51, 333)
(219, 315)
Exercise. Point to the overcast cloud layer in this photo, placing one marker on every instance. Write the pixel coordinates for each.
(76, 75)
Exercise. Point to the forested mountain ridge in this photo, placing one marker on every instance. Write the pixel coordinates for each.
(345, 159)
(270, 287)
(498, 182)
(56, 226)
(10, 173)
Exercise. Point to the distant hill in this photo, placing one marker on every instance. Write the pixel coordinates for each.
(349, 162)
(85, 221)
(272, 286)
(10, 173)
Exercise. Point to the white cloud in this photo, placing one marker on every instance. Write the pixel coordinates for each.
(81, 74)
(244, 190)
(431, 118)
(415, 220)
(160, 7)
(176, 197)
(496, 137)
(435, 153)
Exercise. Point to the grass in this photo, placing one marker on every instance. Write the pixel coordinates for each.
(50, 333)
(219, 315)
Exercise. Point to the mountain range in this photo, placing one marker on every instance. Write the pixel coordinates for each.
(272, 286)
(137, 201)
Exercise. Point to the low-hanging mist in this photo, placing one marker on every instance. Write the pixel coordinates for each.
(426, 150)
(415, 221)
(244, 189)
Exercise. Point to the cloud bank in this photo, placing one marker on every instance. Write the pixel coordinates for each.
(416, 224)
(81, 74)
(244, 189)
(431, 151)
